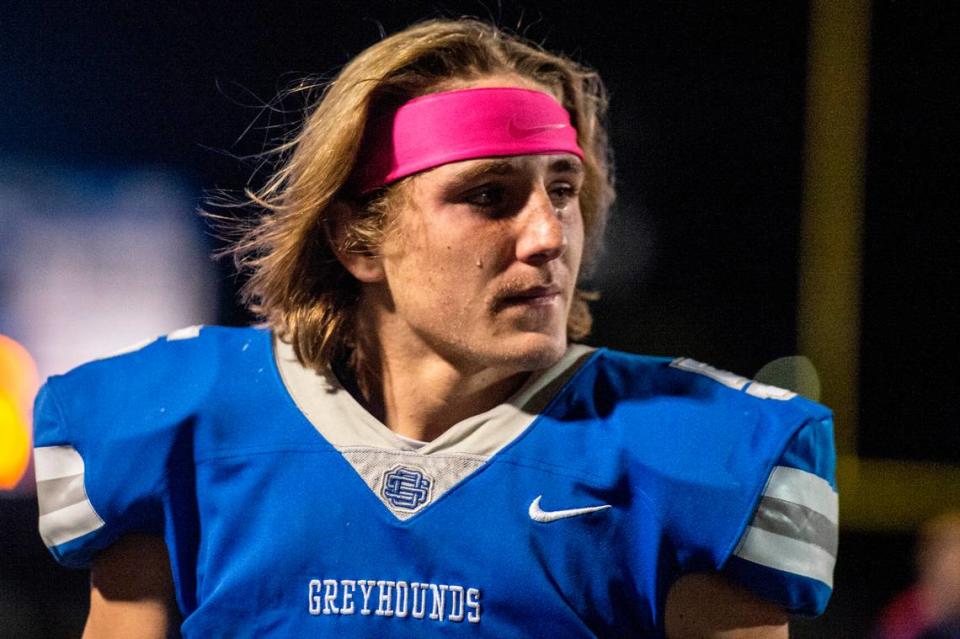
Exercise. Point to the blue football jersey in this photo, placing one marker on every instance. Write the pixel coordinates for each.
(567, 511)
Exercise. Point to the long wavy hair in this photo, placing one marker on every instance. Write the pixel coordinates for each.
(296, 284)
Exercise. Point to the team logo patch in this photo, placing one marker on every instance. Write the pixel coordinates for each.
(406, 487)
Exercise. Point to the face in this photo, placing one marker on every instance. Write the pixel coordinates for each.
(483, 263)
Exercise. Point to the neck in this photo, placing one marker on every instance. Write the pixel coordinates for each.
(420, 394)
(423, 399)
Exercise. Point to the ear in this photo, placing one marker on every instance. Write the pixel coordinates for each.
(366, 267)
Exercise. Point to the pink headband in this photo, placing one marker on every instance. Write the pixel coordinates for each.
(465, 124)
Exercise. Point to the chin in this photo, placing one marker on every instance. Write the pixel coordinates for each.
(534, 351)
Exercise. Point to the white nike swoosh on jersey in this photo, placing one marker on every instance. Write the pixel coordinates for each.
(546, 516)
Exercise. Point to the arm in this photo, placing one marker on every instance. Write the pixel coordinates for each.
(131, 591)
(707, 606)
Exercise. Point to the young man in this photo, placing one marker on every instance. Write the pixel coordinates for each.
(413, 446)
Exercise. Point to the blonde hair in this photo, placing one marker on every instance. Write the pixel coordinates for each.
(296, 284)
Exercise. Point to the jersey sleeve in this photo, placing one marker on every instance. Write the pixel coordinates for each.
(787, 552)
(107, 438)
(92, 486)
(66, 513)
(732, 476)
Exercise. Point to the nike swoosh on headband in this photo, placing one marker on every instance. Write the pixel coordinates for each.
(521, 132)
(547, 516)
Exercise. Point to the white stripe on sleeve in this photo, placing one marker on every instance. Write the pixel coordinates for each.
(66, 511)
(795, 526)
(787, 554)
(69, 523)
(806, 489)
(53, 462)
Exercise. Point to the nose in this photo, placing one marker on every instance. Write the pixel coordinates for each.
(542, 236)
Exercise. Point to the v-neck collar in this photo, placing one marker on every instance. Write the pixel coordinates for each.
(345, 423)
(406, 478)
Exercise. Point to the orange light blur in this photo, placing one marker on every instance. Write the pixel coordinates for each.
(19, 382)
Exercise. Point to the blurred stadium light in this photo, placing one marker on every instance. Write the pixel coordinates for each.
(18, 385)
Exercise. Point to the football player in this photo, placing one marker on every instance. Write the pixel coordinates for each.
(413, 444)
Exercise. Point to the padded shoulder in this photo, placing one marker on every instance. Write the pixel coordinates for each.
(702, 443)
(109, 433)
(191, 355)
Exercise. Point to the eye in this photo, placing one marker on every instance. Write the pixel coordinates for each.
(486, 196)
(562, 193)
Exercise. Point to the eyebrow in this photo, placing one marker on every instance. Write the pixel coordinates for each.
(495, 167)
(564, 165)
(507, 167)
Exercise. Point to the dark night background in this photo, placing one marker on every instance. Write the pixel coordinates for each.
(707, 116)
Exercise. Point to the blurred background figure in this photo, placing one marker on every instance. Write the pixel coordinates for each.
(930, 608)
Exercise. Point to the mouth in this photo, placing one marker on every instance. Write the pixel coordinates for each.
(533, 297)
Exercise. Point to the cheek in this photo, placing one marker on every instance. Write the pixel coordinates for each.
(490, 248)
(435, 279)
(465, 251)
(575, 239)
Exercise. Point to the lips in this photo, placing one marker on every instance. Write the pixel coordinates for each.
(532, 296)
